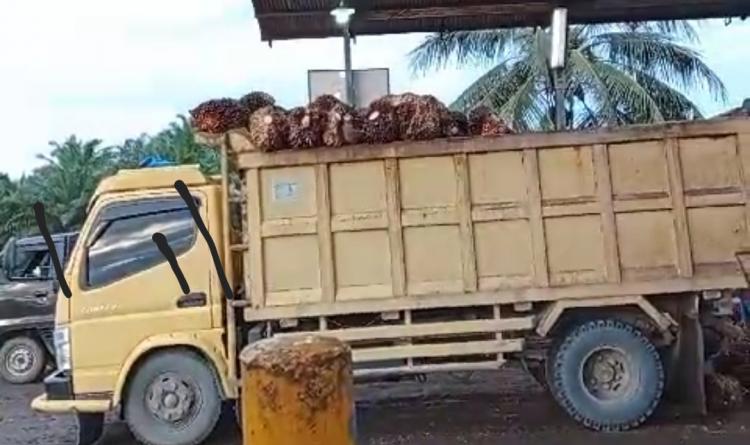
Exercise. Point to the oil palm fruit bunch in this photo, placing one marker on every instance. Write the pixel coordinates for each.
(456, 124)
(483, 122)
(404, 106)
(327, 102)
(333, 131)
(306, 127)
(269, 128)
(427, 119)
(380, 123)
(724, 393)
(353, 127)
(339, 116)
(256, 100)
(333, 111)
(218, 115)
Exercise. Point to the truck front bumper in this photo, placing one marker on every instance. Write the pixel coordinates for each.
(59, 397)
(44, 405)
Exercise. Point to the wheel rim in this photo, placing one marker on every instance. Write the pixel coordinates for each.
(19, 361)
(173, 399)
(607, 374)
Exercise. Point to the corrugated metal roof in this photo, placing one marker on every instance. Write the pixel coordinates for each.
(290, 19)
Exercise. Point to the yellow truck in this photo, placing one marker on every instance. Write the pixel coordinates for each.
(590, 256)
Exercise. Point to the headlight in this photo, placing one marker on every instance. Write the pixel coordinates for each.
(62, 348)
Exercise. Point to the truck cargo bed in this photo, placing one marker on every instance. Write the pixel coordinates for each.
(635, 211)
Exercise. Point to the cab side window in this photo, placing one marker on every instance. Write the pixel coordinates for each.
(122, 244)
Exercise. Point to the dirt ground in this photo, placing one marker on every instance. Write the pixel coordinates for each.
(483, 408)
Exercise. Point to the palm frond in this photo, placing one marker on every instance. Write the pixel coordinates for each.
(466, 48)
(524, 108)
(683, 30)
(627, 93)
(661, 57)
(498, 82)
(674, 104)
(583, 71)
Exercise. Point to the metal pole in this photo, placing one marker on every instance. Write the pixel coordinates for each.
(349, 78)
(231, 322)
(559, 79)
(558, 44)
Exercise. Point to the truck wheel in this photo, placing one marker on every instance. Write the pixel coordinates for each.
(22, 360)
(549, 364)
(173, 399)
(607, 375)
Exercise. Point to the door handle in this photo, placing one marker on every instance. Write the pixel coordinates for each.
(40, 294)
(193, 299)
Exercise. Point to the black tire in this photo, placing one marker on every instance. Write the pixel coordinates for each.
(163, 380)
(630, 369)
(22, 360)
(549, 363)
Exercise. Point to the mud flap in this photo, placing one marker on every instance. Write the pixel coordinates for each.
(686, 362)
(90, 428)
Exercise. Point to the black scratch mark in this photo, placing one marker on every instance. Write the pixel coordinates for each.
(184, 192)
(41, 222)
(161, 242)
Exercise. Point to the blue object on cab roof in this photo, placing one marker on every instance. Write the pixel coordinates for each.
(154, 161)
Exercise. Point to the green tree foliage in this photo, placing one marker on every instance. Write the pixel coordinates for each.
(176, 143)
(71, 171)
(615, 74)
(70, 175)
(16, 198)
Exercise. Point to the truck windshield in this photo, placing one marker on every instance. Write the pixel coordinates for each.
(123, 245)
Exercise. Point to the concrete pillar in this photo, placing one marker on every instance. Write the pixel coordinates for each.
(297, 391)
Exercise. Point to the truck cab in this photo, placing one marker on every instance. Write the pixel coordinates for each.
(128, 311)
(27, 305)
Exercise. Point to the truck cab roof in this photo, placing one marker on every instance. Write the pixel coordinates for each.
(34, 241)
(149, 178)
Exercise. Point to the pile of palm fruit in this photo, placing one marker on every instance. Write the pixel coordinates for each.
(329, 122)
(729, 378)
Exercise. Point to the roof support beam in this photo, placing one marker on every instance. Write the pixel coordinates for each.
(372, 19)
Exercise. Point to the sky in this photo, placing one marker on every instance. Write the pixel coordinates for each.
(116, 69)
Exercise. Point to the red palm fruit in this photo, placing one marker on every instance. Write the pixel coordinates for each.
(256, 100)
(380, 125)
(427, 119)
(218, 115)
(483, 122)
(269, 129)
(305, 128)
(455, 124)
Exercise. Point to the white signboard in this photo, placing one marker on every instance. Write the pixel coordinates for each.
(369, 84)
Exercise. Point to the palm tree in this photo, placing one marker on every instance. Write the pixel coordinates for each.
(73, 169)
(131, 152)
(616, 74)
(68, 179)
(16, 199)
(176, 143)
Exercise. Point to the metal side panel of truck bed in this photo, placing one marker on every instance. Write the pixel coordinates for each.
(538, 217)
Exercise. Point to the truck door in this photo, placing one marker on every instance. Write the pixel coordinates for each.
(125, 291)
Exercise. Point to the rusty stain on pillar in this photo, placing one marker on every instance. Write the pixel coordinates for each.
(297, 391)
